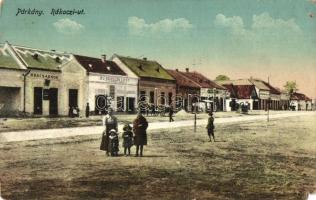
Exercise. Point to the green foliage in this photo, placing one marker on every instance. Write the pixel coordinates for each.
(222, 78)
(291, 87)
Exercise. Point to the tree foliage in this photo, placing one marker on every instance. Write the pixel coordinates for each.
(291, 87)
(222, 78)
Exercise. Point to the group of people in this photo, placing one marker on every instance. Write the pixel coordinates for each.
(135, 135)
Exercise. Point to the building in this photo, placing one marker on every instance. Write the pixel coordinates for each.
(240, 94)
(37, 80)
(11, 82)
(185, 88)
(300, 101)
(155, 85)
(105, 84)
(212, 94)
(263, 97)
(268, 95)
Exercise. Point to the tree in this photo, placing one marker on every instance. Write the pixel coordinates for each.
(222, 78)
(290, 87)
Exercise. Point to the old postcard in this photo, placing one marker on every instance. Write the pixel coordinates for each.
(158, 99)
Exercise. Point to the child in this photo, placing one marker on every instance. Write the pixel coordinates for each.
(210, 127)
(113, 143)
(127, 139)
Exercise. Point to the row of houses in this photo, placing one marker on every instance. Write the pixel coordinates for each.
(42, 82)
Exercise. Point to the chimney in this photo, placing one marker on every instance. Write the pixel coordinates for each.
(177, 70)
(103, 58)
(187, 70)
(145, 58)
(35, 56)
(57, 59)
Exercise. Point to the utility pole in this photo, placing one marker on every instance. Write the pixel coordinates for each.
(195, 119)
(268, 109)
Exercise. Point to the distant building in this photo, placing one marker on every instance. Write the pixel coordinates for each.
(257, 93)
(186, 89)
(212, 94)
(156, 86)
(240, 94)
(300, 101)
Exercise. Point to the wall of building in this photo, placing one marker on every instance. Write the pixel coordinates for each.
(99, 84)
(158, 88)
(36, 78)
(11, 90)
(74, 77)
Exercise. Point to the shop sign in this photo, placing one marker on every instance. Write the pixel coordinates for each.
(44, 76)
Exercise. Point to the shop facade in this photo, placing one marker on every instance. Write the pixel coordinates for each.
(106, 85)
(155, 85)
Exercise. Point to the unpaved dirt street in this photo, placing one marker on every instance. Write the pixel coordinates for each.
(250, 160)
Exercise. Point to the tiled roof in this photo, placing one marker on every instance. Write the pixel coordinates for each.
(244, 91)
(259, 84)
(235, 82)
(202, 80)
(182, 80)
(146, 68)
(96, 65)
(6, 60)
(299, 96)
(231, 89)
(272, 89)
(39, 59)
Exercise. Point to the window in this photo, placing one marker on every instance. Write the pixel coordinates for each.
(152, 97)
(163, 98)
(112, 91)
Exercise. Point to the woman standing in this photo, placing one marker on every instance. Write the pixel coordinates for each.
(110, 122)
(140, 125)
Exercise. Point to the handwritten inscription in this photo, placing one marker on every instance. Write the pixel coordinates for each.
(53, 12)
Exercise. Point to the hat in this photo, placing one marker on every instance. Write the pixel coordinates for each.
(127, 127)
(210, 113)
(112, 131)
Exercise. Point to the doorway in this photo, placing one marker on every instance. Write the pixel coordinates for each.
(53, 101)
(130, 102)
(38, 101)
(73, 98)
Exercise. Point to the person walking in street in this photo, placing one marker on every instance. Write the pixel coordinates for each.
(127, 139)
(87, 110)
(210, 127)
(140, 126)
(110, 122)
(171, 114)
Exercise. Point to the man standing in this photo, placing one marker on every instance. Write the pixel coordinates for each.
(87, 110)
(171, 114)
(210, 127)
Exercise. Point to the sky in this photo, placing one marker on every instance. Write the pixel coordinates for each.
(240, 38)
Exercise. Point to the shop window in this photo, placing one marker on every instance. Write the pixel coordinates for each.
(120, 104)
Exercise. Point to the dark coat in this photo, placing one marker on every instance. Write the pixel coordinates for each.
(113, 144)
(109, 125)
(140, 126)
(127, 139)
(210, 123)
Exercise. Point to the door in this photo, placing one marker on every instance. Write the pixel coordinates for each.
(38, 101)
(73, 98)
(53, 101)
(130, 102)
